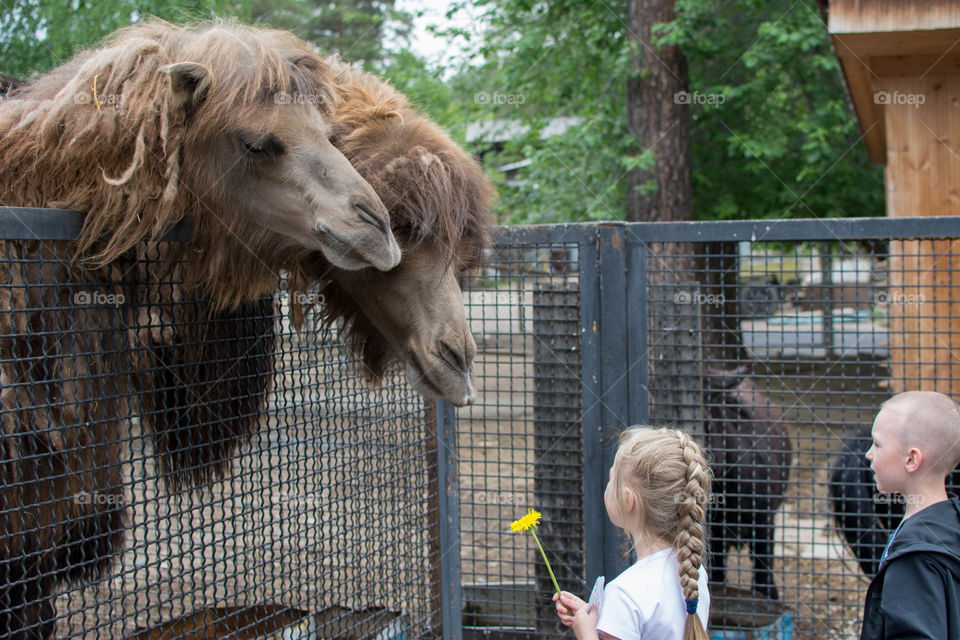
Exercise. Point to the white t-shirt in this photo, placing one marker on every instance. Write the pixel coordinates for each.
(646, 601)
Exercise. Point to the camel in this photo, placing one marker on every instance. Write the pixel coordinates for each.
(156, 124)
(438, 198)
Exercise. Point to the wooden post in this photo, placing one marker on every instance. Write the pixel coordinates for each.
(923, 169)
(902, 69)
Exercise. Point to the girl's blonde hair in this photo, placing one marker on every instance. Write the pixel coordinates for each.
(670, 479)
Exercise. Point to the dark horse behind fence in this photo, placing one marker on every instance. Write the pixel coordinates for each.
(865, 517)
(751, 456)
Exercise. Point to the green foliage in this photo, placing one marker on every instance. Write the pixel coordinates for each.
(772, 131)
(784, 141)
(356, 29)
(36, 35)
(548, 60)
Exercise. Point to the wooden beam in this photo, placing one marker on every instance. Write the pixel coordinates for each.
(919, 66)
(899, 42)
(860, 78)
(864, 16)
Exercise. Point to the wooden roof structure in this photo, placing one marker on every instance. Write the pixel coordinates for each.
(880, 39)
(901, 63)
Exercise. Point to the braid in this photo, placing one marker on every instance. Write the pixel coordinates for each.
(672, 486)
(690, 532)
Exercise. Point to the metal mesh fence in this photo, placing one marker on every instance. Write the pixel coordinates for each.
(120, 395)
(774, 343)
(335, 512)
(521, 445)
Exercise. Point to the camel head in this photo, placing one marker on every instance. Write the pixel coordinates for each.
(414, 314)
(272, 152)
(438, 198)
(227, 124)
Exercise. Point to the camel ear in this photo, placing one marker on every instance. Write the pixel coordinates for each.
(426, 158)
(397, 164)
(189, 82)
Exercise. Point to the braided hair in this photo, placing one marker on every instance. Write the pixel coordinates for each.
(667, 472)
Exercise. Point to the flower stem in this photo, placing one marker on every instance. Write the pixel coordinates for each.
(555, 585)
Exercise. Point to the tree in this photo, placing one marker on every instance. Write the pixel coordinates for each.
(356, 29)
(36, 35)
(658, 118)
(772, 133)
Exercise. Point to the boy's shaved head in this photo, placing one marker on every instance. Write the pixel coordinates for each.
(929, 421)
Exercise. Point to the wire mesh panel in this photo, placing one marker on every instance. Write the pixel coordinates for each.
(799, 343)
(169, 470)
(775, 343)
(520, 446)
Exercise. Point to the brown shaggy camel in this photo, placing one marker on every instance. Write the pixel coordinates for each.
(158, 123)
(438, 198)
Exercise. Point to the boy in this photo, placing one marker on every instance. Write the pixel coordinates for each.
(916, 592)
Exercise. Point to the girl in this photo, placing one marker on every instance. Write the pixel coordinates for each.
(659, 484)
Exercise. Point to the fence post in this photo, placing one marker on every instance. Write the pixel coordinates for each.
(445, 546)
(606, 402)
(557, 443)
(638, 349)
(594, 513)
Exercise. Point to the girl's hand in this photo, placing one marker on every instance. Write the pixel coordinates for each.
(574, 612)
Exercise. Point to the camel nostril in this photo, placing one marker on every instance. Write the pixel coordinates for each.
(453, 357)
(370, 217)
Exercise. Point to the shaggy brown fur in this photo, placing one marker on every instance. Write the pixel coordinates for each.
(153, 151)
(439, 207)
(437, 195)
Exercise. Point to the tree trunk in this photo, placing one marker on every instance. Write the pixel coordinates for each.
(658, 116)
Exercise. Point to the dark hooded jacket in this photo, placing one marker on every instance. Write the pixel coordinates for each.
(916, 592)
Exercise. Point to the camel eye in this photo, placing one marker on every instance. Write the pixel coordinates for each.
(336, 134)
(263, 147)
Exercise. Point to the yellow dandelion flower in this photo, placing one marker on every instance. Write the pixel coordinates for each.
(529, 523)
(526, 523)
